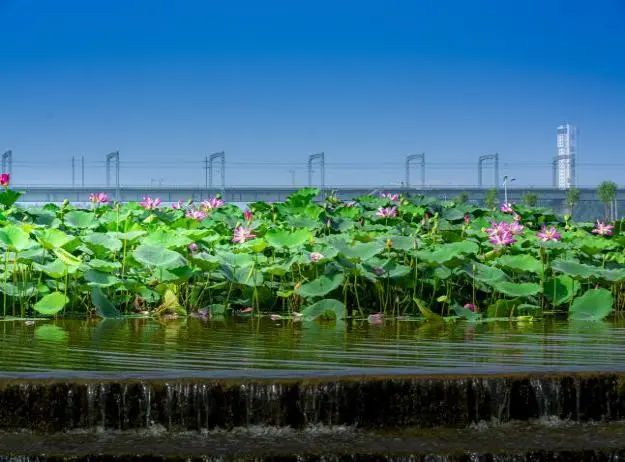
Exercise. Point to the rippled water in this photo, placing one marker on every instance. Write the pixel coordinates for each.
(253, 347)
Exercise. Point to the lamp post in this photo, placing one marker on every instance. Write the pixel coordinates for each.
(505, 188)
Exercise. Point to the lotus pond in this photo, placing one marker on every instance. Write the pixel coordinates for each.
(305, 259)
(236, 348)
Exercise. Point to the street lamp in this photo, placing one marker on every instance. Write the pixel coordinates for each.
(505, 188)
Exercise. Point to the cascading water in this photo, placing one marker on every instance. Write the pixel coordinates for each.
(367, 402)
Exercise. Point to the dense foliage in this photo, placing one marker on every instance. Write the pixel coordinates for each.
(398, 256)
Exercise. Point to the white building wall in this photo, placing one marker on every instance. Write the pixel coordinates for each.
(567, 149)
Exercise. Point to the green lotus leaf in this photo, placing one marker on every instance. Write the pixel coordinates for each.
(254, 246)
(594, 245)
(15, 238)
(517, 289)
(444, 253)
(166, 238)
(613, 275)
(51, 304)
(52, 238)
(301, 198)
(560, 289)
(327, 308)
(235, 259)
(79, 219)
(104, 241)
(18, 289)
(99, 278)
(56, 269)
(575, 269)
(321, 286)
(288, 239)
(8, 197)
(521, 263)
(466, 313)
(158, 257)
(453, 214)
(246, 275)
(360, 250)
(103, 306)
(401, 242)
(104, 265)
(502, 308)
(484, 273)
(426, 312)
(387, 269)
(592, 305)
(170, 304)
(67, 257)
(128, 236)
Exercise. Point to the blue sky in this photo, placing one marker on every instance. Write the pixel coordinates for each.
(271, 82)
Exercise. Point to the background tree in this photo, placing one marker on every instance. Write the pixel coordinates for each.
(491, 198)
(530, 199)
(572, 199)
(462, 198)
(606, 191)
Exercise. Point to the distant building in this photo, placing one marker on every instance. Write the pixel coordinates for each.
(564, 163)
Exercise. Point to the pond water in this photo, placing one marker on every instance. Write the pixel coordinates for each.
(245, 347)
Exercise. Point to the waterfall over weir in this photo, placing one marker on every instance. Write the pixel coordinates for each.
(137, 390)
(363, 402)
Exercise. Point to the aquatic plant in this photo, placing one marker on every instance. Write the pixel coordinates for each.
(603, 229)
(387, 212)
(548, 234)
(307, 259)
(150, 204)
(212, 203)
(242, 234)
(99, 198)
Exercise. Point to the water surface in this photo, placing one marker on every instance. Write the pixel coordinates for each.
(192, 347)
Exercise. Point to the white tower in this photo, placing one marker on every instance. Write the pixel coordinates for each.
(565, 160)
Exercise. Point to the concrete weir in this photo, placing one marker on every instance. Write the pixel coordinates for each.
(367, 402)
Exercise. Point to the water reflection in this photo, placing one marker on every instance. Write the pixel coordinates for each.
(137, 345)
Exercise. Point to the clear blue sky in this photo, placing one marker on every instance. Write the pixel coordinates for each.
(366, 82)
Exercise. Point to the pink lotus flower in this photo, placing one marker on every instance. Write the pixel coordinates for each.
(502, 239)
(193, 247)
(242, 234)
(212, 203)
(501, 233)
(177, 205)
(248, 215)
(198, 215)
(150, 204)
(98, 198)
(506, 207)
(516, 228)
(390, 196)
(470, 306)
(376, 318)
(602, 229)
(387, 212)
(467, 219)
(548, 234)
(315, 256)
(4, 180)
